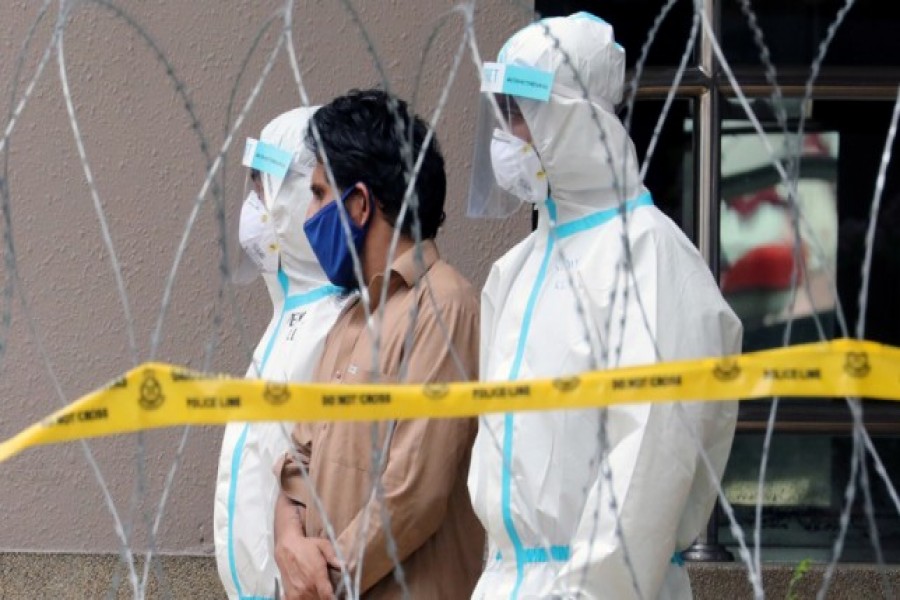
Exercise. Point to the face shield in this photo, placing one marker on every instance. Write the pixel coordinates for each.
(510, 174)
(257, 233)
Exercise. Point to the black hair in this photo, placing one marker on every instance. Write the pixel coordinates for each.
(360, 136)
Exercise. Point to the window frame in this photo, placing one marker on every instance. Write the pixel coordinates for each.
(705, 83)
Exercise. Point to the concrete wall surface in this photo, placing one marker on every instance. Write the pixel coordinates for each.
(84, 576)
(145, 157)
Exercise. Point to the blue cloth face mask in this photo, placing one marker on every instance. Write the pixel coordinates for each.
(329, 243)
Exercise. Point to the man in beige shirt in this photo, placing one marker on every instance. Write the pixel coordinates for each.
(427, 331)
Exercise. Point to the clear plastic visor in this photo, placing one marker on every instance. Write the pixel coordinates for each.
(246, 271)
(486, 199)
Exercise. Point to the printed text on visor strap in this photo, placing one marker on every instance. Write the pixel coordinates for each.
(290, 303)
(561, 231)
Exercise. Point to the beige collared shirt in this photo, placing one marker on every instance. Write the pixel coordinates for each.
(439, 540)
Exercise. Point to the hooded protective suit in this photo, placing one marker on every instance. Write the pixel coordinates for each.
(536, 480)
(306, 305)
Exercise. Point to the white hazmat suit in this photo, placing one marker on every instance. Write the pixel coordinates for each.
(305, 307)
(536, 480)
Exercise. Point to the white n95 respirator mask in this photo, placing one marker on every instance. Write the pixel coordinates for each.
(517, 168)
(257, 234)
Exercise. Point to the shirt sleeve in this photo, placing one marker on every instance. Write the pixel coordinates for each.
(427, 457)
(288, 471)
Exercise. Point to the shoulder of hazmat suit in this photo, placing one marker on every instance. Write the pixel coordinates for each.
(305, 307)
(590, 503)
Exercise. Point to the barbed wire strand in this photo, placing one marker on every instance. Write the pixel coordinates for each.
(756, 125)
(9, 249)
(670, 97)
(12, 277)
(583, 315)
(376, 491)
(858, 455)
(357, 268)
(101, 217)
(844, 520)
(781, 116)
(377, 455)
(873, 218)
(755, 577)
(12, 268)
(156, 337)
(125, 549)
(320, 508)
(628, 267)
(862, 442)
(181, 91)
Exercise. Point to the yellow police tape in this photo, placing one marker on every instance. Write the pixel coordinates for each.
(157, 395)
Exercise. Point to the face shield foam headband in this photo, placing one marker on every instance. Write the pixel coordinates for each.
(507, 171)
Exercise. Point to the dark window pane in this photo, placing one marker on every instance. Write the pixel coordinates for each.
(670, 174)
(793, 30)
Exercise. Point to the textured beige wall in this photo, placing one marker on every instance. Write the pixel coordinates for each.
(148, 167)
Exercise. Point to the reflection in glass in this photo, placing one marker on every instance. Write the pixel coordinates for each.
(761, 253)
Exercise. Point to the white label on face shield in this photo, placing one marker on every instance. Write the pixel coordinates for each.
(257, 234)
(267, 158)
(516, 80)
(517, 168)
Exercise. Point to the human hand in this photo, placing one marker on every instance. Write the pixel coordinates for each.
(303, 563)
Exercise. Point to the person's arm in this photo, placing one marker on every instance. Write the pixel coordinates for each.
(652, 472)
(287, 517)
(425, 458)
(303, 562)
(654, 458)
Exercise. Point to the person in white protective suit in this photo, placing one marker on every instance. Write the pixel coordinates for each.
(305, 307)
(570, 298)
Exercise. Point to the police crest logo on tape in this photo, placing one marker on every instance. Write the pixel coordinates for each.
(727, 369)
(435, 391)
(566, 384)
(856, 364)
(151, 395)
(276, 393)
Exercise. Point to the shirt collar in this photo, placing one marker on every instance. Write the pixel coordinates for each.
(407, 264)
